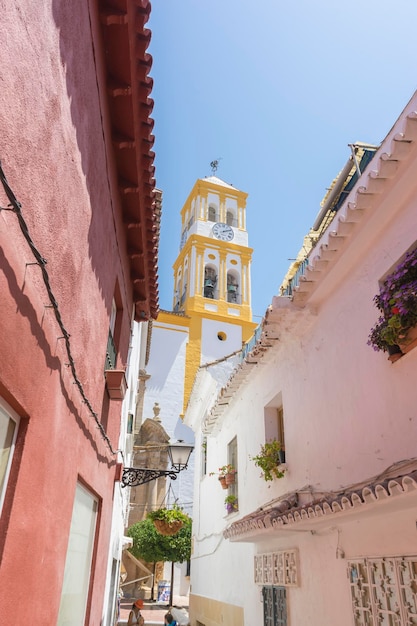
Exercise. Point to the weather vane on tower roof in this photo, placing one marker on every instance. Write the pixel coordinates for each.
(214, 165)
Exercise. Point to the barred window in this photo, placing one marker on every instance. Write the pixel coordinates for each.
(383, 591)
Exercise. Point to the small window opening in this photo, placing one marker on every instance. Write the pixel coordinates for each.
(230, 219)
(212, 213)
(232, 460)
(210, 282)
(232, 288)
(274, 427)
(115, 328)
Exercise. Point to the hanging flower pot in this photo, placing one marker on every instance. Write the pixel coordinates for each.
(226, 475)
(394, 352)
(397, 306)
(222, 481)
(167, 528)
(168, 521)
(410, 340)
(230, 478)
(231, 504)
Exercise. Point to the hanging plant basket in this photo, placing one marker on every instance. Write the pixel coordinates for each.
(167, 528)
(168, 521)
(410, 340)
(394, 352)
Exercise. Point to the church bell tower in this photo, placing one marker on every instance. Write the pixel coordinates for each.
(212, 271)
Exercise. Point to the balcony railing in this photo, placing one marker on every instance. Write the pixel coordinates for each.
(249, 346)
(295, 280)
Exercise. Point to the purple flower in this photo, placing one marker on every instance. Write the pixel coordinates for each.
(397, 301)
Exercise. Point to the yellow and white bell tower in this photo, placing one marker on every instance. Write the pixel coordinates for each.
(212, 273)
(211, 313)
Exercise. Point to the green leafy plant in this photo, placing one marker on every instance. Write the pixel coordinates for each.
(150, 546)
(224, 470)
(397, 303)
(169, 515)
(227, 469)
(231, 503)
(268, 460)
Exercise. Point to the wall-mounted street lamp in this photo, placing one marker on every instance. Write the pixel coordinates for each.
(179, 454)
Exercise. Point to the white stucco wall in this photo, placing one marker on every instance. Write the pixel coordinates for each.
(241, 238)
(166, 370)
(349, 414)
(166, 387)
(212, 347)
(136, 358)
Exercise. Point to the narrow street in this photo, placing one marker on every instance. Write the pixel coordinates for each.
(153, 612)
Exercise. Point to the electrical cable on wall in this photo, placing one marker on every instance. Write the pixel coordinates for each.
(16, 208)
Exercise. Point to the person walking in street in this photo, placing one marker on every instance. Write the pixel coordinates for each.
(135, 616)
(169, 620)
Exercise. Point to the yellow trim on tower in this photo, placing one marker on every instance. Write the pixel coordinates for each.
(203, 187)
(171, 318)
(192, 356)
(193, 258)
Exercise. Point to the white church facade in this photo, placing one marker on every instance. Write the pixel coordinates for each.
(210, 319)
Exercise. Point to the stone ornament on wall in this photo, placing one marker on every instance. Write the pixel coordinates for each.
(277, 568)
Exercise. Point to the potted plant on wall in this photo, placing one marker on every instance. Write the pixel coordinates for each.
(395, 331)
(231, 503)
(229, 473)
(168, 521)
(269, 460)
(226, 474)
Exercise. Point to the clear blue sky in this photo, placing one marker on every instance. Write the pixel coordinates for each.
(277, 89)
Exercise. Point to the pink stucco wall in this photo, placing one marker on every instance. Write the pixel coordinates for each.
(53, 152)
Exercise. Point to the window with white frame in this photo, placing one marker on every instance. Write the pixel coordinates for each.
(274, 424)
(232, 488)
(9, 422)
(111, 352)
(77, 573)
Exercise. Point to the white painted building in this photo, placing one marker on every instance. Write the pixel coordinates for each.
(119, 541)
(211, 317)
(333, 542)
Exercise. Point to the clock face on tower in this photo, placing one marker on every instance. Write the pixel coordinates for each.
(223, 231)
